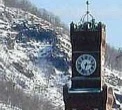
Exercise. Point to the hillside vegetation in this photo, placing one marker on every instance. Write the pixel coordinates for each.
(26, 5)
(113, 58)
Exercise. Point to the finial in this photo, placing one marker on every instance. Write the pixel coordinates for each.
(87, 14)
(87, 3)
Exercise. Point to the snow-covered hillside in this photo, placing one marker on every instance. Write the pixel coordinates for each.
(35, 63)
(32, 61)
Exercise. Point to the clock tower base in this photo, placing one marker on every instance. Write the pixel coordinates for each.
(88, 99)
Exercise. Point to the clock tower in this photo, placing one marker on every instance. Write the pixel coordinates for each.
(88, 50)
(88, 90)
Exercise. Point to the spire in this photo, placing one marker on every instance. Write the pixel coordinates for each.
(87, 14)
(87, 3)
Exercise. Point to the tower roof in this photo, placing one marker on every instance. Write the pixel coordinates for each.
(87, 15)
(87, 22)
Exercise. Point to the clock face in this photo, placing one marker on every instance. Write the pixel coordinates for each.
(86, 64)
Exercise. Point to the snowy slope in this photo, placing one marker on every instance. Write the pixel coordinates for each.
(28, 49)
(8, 107)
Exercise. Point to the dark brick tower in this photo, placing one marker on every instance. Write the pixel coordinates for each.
(88, 91)
(88, 47)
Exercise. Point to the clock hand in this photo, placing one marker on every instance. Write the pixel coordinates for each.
(86, 65)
